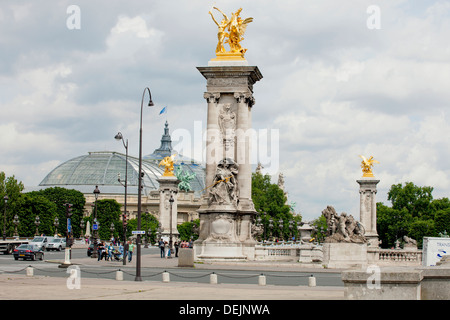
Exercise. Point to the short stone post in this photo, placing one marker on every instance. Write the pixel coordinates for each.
(119, 275)
(311, 281)
(30, 271)
(213, 278)
(262, 280)
(165, 277)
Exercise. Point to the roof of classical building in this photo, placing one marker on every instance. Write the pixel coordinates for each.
(104, 168)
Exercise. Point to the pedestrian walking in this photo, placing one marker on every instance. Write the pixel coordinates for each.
(176, 249)
(130, 251)
(161, 247)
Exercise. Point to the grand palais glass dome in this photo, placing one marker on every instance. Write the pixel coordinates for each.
(83, 173)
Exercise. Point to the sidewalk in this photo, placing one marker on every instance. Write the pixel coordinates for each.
(19, 286)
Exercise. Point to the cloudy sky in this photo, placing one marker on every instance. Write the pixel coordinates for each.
(341, 78)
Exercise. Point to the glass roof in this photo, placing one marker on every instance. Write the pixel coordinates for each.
(103, 169)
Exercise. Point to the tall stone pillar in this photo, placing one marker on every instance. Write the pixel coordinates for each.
(368, 209)
(227, 209)
(168, 186)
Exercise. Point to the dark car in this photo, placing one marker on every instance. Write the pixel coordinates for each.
(90, 249)
(28, 251)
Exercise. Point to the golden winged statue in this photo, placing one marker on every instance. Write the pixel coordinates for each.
(366, 165)
(233, 29)
(167, 162)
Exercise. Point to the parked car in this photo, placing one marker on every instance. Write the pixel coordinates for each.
(57, 244)
(28, 251)
(41, 241)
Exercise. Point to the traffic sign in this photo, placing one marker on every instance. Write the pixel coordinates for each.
(95, 227)
(138, 232)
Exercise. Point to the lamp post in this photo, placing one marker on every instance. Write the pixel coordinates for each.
(280, 224)
(56, 224)
(5, 202)
(171, 201)
(119, 136)
(82, 225)
(37, 222)
(270, 227)
(95, 224)
(16, 223)
(138, 239)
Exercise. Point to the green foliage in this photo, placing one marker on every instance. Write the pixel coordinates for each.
(414, 213)
(108, 211)
(61, 196)
(269, 198)
(148, 221)
(186, 230)
(320, 228)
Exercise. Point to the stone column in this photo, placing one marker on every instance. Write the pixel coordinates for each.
(214, 150)
(227, 209)
(168, 186)
(243, 149)
(368, 209)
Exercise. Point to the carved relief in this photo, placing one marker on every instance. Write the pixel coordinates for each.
(227, 124)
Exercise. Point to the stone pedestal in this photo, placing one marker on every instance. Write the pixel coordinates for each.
(168, 186)
(345, 255)
(227, 209)
(368, 209)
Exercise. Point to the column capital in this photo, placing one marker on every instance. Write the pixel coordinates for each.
(212, 97)
(245, 97)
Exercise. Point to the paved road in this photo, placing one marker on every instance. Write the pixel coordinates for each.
(153, 266)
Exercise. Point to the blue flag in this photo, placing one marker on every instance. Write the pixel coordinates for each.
(164, 110)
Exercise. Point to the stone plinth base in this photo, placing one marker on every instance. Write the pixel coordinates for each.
(186, 257)
(345, 255)
(310, 254)
(219, 251)
(382, 284)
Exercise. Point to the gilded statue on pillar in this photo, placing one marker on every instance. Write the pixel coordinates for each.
(168, 162)
(231, 31)
(366, 166)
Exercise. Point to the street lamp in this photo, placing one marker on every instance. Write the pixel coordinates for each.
(37, 222)
(95, 225)
(171, 201)
(16, 223)
(5, 202)
(56, 224)
(119, 136)
(280, 224)
(270, 227)
(82, 225)
(138, 239)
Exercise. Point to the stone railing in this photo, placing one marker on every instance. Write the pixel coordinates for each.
(395, 257)
(276, 252)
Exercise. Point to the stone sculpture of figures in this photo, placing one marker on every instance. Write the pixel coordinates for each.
(259, 168)
(225, 186)
(185, 179)
(227, 124)
(167, 162)
(236, 28)
(342, 228)
(281, 181)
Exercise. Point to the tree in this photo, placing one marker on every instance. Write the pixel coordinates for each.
(187, 230)
(148, 221)
(269, 198)
(414, 213)
(61, 196)
(108, 211)
(11, 188)
(416, 200)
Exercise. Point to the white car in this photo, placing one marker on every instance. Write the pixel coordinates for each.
(57, 244)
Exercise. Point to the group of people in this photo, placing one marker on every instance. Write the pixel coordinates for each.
(109, 252)
(166, 251)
